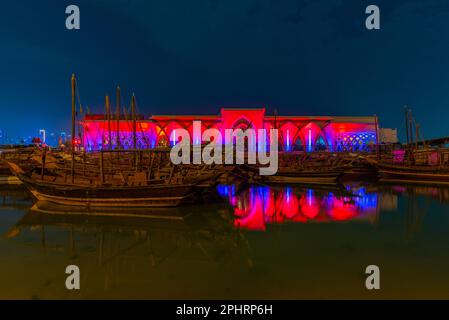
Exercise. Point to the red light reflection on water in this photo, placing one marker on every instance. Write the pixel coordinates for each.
(259, 206)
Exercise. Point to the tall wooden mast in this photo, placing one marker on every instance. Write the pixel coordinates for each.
(73, 126)
(417, 128)
(276, 122)
(376, 121)
(117, 111)
(410, 123)
(108, 115)
(275, 118)
(406, 124)
(133, 114)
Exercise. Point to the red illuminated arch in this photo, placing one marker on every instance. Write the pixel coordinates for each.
(316, 132)
(301, 138)
(243, 123)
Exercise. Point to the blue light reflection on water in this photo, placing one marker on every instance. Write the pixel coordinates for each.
(258, 206)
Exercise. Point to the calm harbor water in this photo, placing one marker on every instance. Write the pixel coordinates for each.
(261, 242)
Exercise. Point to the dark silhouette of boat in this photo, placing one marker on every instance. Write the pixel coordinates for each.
(157, 193)
(401, 173)
(304, 176)
(307, 177)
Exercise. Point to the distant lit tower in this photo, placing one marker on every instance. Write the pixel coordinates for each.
(43, 134)
(52, 139)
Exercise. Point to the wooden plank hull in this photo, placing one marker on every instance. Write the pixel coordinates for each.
(428, 175)
(50, 210)
(143, 196)
(9, 180)
(358, 174)
(414, 177)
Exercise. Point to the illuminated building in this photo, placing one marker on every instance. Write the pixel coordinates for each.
(296, 133)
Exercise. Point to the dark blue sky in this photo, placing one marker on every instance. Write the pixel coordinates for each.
(311, 57)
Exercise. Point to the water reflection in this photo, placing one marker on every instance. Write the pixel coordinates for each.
(112, 244)
(14, 197)
(259, 206)
(212, 251)
(441, 194)
(172, 228)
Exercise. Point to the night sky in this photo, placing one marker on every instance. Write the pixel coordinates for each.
(303, 57)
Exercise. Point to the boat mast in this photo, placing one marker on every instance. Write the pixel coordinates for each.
(73, 126)
(376, 119)
(417, 127)
(118, 118)
(275, 118)
(133, 114)
(275, 122)
(410, 122)
(108, 115)
(406, 123)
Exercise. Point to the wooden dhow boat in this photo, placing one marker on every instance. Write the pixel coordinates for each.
(417, 162)
(152, 193)
(111, 176)
(411, 174)
(303, 176)
(301, 168)
(422, 174)
(157, 195)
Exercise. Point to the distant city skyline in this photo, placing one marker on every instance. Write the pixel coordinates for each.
(52, 138)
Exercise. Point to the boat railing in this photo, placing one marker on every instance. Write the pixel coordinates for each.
(417, 157)
(116, 167)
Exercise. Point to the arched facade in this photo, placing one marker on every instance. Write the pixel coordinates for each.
(295, 133)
